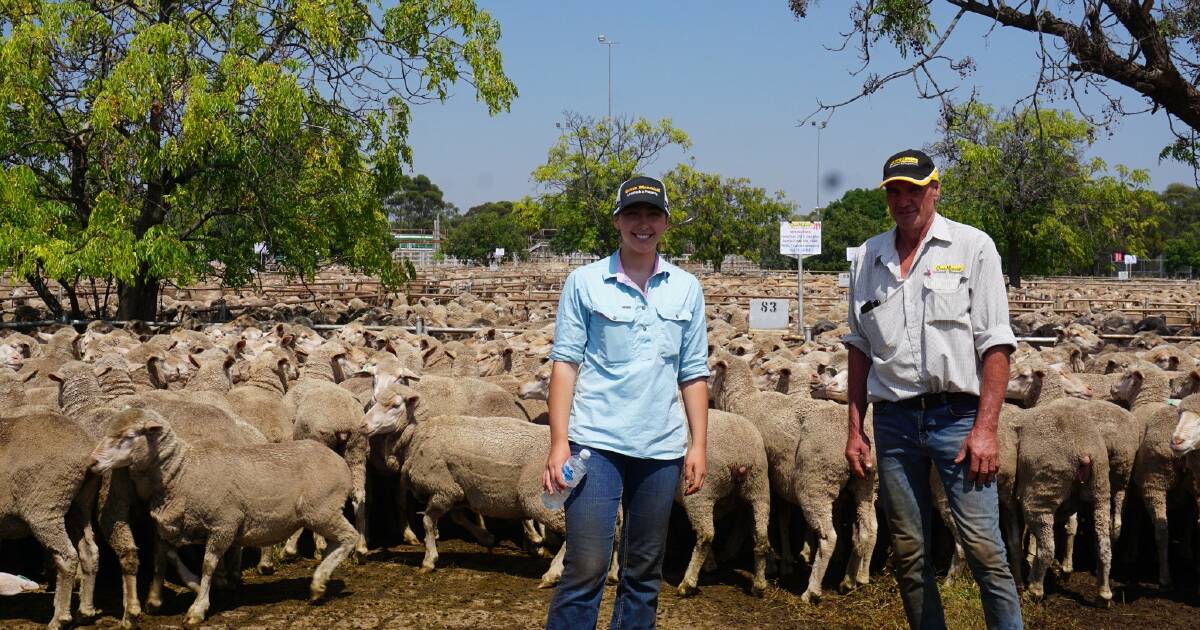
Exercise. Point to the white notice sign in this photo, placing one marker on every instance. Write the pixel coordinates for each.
(769, 314)
(499, 253)
(844, 280)
(851, 252)
(1130, 259)
(800, 238)
(1122, 275)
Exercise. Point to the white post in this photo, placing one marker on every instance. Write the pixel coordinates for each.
(800, 295)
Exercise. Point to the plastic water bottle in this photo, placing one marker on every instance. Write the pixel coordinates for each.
(573, 471)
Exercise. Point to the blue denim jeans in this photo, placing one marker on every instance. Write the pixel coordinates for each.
(907, 442)
(646, 489)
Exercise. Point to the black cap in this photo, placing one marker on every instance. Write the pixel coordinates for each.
(639, 189)
(911, 166)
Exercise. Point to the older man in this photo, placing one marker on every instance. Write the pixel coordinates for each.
(929, 343)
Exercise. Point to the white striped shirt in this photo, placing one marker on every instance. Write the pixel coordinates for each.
(927, 333)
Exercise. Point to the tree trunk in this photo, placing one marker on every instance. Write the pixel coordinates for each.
(72, 297)
(48, 298)
(1014, 261)
(139, 299)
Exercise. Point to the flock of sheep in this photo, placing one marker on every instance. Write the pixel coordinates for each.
(245, 433)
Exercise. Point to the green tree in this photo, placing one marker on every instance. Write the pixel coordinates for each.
(1148, 47)
(482, 230)
(724, 216)
(415, 204)
(860, 214)
(582, 172)
(1181, 228)
(143, 140)
(1015, 175)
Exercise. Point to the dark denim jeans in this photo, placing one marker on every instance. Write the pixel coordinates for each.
(908, 441)
(646, 489)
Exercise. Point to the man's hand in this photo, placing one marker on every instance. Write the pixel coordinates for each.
(695, 467)
(858, 453)
(981, 447)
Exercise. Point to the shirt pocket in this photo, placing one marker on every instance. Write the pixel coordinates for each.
(883, 326)
(673, 321)
(611, 332)
(947, 302)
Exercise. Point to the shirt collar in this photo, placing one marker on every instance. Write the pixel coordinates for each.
(940, 230)
(617, 270)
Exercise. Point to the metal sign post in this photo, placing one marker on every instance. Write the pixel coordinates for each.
(799, 239)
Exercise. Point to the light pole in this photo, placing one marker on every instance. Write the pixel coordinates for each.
(607, 42)
(819, 126)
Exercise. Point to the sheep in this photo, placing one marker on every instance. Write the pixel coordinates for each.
(1146, 388)
(46, 492)
(805, 442)
(260, 398)
(737, 468)
(231, 496)
(1058, 447)
(492, 465)
(322, 410)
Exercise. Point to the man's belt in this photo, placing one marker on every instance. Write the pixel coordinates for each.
(930, 401)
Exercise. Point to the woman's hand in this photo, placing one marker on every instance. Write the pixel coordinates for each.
(552, 479)
(695, 467)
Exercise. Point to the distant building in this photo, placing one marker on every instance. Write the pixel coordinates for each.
(417, 246)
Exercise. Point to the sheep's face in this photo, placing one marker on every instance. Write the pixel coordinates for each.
(1128, 387)
(495, 359)
(1185, 385)
(1022, 383)
(1082, 336)
(776, 376)
(1187, 433)
(11, 356)
(131, 440)
(539, 387)
(833, 384)
(394, 407)
(1072, 385)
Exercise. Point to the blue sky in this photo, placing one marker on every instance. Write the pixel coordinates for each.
(736, 76)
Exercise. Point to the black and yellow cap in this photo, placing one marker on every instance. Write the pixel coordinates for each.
(911, 166)
(639, 189)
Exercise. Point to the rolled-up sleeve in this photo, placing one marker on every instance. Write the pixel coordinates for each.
(989, 302)
(693, 352)
(854, 337)
(571, 324)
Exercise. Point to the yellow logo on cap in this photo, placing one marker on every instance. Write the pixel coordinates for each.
(642, 188)
(907, 160)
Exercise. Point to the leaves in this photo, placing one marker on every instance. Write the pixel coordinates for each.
(146, 144)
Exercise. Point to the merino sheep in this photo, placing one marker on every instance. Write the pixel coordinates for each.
(492, 465)
(222, 497)
(805, 443)
(46, 492)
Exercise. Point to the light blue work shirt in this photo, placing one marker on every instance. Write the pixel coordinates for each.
(633, 350)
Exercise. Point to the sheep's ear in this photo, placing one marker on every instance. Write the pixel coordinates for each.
(229, 359)
(173, 344)
(711, 349)
(25, 378)
(1059, 333)
(239, 347)
(1173, 363)
(193, 361)
(411, 401)
(101, 370)
(56, 377)
(152, 427)
(389, 347)
(406, 374)
(1110, 366)
(279, 330)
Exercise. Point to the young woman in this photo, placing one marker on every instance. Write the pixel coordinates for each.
(629, 338)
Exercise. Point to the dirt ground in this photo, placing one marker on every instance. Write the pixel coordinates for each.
(474, 588)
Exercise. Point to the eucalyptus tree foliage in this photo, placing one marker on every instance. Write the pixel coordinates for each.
(581, 174)
(717, 216)
(1151, 49)
(151, 140)
(1024, 178)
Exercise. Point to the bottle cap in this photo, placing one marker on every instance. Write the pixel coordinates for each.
(584, 454)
